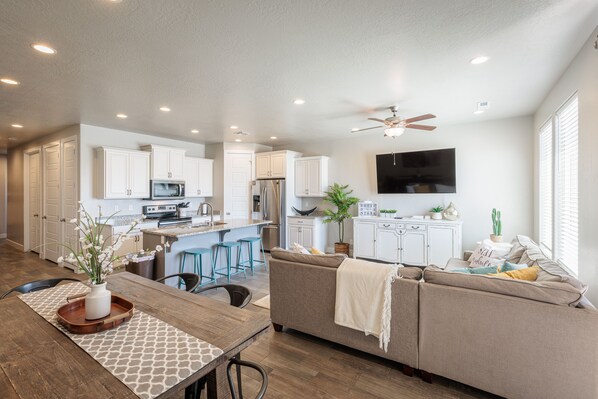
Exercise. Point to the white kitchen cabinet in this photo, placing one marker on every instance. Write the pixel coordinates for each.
(311, 176)
(410, 242)
(444, 242)
(307, 231)
(388, 245)
(364, 241)
(271, 165)
(198, 177)
(167, 163)
(122, 174)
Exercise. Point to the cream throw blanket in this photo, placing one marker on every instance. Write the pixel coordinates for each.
(363, 297)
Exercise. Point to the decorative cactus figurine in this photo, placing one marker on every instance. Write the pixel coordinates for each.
(496, 226)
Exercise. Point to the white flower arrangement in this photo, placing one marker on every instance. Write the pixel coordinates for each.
(96, 256)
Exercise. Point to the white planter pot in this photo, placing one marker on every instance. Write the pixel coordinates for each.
(437, 215)
(97, 302)
(494, 238)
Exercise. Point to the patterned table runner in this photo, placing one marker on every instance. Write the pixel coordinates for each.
(147, 354)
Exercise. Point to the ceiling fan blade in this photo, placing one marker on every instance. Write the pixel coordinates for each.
(420, 127)
(420, 118)
(367, 128)
(378, 120)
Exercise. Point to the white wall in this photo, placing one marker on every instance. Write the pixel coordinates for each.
(95, 136)
(494, 169)
(580, 76)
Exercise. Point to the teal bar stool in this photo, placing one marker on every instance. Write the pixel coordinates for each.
(251, 261)
(198, 264)
(228, 247)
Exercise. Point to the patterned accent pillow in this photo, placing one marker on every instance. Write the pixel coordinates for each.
(488, 255)
(300, 249)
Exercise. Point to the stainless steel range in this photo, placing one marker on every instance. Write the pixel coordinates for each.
(166, 215)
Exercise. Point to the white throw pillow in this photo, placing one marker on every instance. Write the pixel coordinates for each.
(300, 249)
(488, 255)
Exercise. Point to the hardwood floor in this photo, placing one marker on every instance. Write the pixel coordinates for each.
(298, 365)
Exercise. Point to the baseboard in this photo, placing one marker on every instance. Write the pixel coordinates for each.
(15, 245)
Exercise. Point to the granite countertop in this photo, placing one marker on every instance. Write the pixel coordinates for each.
(192, 230)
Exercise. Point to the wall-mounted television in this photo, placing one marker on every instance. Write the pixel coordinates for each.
(420, 172)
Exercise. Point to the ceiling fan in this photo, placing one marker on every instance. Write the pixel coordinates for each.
(396, 125)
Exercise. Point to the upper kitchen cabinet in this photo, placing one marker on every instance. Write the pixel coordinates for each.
(273, 165)
(311, 176)
(198, 177)
(122, 174)
(167, 163)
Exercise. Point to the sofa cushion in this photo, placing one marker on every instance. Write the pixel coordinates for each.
(557, 293)
(527, 274)
(410, 273)
(520, 244)
(318, 260)
(552, 271)
(456, 263)
(508, 266)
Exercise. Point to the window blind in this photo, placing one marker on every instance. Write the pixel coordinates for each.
(546, 208)
(566, 225)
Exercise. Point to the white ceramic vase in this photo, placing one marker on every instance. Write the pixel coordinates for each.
(437, 215)
(97, 302)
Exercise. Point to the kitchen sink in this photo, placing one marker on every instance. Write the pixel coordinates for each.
(219, 223)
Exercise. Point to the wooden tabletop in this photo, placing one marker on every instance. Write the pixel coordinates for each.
(38, 361)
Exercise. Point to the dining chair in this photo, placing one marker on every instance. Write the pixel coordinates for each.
(240, 297)
(191, 280)
(37, 285)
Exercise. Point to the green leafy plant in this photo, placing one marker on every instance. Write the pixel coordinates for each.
(341, 198)
(437, 209)
(496, 222)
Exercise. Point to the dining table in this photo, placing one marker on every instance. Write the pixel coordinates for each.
(37, 360)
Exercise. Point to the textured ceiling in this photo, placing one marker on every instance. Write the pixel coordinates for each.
(219, 63)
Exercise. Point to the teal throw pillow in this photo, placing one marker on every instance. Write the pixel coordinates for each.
(508, 266)
(477, 270)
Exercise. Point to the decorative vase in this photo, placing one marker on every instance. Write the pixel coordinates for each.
(494, 238)
(97, 302)
(341, 248)
(437, 215)
(451, 213)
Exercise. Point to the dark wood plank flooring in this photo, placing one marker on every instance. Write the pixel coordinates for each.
(298, 365)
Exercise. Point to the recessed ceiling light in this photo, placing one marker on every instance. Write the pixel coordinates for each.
(121, 116)
(299, 101)
(12, 139)
(479, 60)
(478, 111)
(115, 1)
(355, 129)
(273, 137)
(238, 140)
(9, 81)
(16, 125)
(234, 126)
(42, 48)
(194, 131)
(165, 109)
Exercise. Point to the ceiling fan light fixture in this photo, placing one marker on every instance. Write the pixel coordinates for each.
(394, 131)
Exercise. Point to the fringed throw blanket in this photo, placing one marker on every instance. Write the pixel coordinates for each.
(363, 297)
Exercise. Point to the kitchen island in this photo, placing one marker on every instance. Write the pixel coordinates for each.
(182, 237)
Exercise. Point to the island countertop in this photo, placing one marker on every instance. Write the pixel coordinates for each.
(192, 230)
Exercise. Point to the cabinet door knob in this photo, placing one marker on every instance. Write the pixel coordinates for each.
(44, 217)
(198, 191)
(35, 215)
(63, 220)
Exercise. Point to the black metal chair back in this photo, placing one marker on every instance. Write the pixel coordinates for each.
(37, 285)
(191, 280)
(239, 296)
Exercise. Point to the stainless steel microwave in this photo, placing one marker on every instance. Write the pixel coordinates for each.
(166, 189)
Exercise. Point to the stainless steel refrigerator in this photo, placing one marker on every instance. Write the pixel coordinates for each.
(271, 204)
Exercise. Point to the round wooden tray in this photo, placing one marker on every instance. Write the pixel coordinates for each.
(72, 315)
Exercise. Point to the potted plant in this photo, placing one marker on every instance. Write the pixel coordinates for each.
(341, 198)
(391, 213)
(496, 226)
(437, 212)
(95, 257)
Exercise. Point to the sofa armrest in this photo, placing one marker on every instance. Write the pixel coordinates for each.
(513, 347)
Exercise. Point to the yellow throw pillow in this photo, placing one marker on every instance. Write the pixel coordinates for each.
(528, 274)
(316, 251)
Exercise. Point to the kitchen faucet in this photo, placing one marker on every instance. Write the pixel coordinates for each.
(211, 211)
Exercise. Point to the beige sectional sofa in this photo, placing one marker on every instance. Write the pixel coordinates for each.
(513, 338)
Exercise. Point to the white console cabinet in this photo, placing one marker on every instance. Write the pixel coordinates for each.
(407, 241)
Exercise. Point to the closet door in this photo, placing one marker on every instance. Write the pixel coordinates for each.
(35, 200)
(69, 192)
(51, 225)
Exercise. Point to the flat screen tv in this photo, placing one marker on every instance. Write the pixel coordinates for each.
(421, 172)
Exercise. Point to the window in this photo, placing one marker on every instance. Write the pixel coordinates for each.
(558, 188)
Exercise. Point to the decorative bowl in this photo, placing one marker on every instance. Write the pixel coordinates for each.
(304, 213)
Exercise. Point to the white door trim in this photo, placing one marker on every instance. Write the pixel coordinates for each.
(26, 238)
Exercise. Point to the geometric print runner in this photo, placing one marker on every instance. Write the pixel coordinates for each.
(147, 354)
